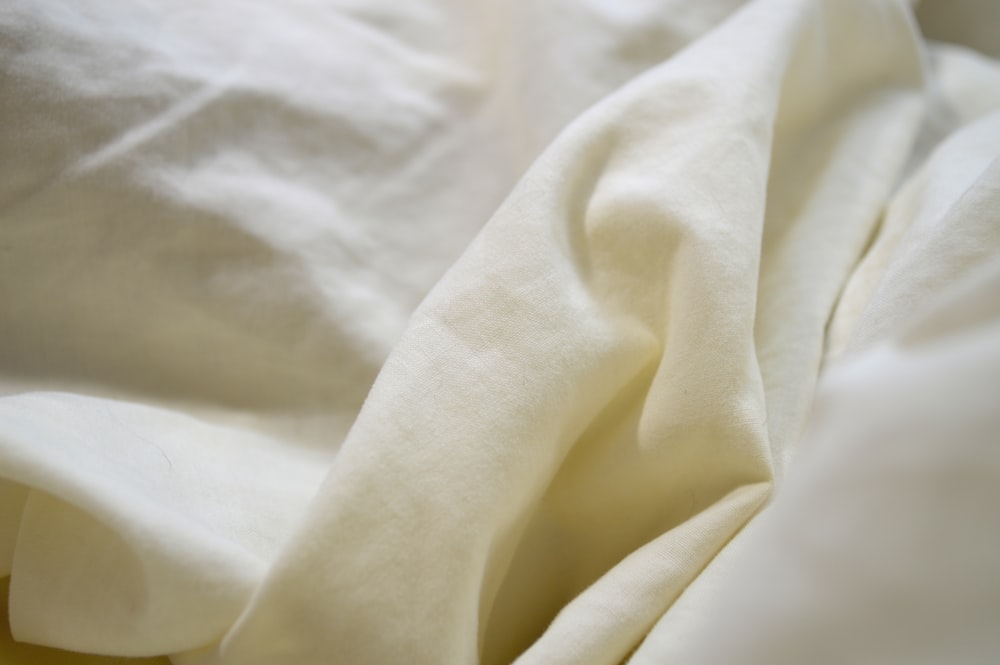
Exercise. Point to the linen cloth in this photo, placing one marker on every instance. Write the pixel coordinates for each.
(481, 332)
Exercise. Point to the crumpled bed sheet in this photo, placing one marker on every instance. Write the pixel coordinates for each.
(477, 332)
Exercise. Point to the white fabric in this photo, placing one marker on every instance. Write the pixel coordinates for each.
(883, 545)
(454, 332)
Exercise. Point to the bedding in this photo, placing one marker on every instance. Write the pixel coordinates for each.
(356, 331)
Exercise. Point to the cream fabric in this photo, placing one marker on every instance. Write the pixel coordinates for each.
(455, 332)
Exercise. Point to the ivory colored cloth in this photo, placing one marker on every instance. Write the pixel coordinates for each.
(448, 332)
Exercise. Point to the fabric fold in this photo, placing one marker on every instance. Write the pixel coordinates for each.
(477, 484)
(271, 392)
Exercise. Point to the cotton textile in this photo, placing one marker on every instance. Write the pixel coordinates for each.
(489, 332)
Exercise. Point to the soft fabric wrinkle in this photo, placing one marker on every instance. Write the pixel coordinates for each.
(174, 54)
(676, 401)
(225, 224)
(119, 147)
(126, 564)
(602, 626)
(149, 486)
(552, 524)
(498, 234)
(213, 326)
(937, 212)
(140, 613)
(958, 312)
(189, 551)
(535, 114)
(828, 198)
(924, 465)
(966, 81)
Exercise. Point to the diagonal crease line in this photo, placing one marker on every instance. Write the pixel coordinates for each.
(135, 137)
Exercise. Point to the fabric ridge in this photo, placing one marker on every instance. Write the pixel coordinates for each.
(499, 332)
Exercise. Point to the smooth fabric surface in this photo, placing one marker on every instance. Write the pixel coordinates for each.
(489, 332)
(22, 653)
